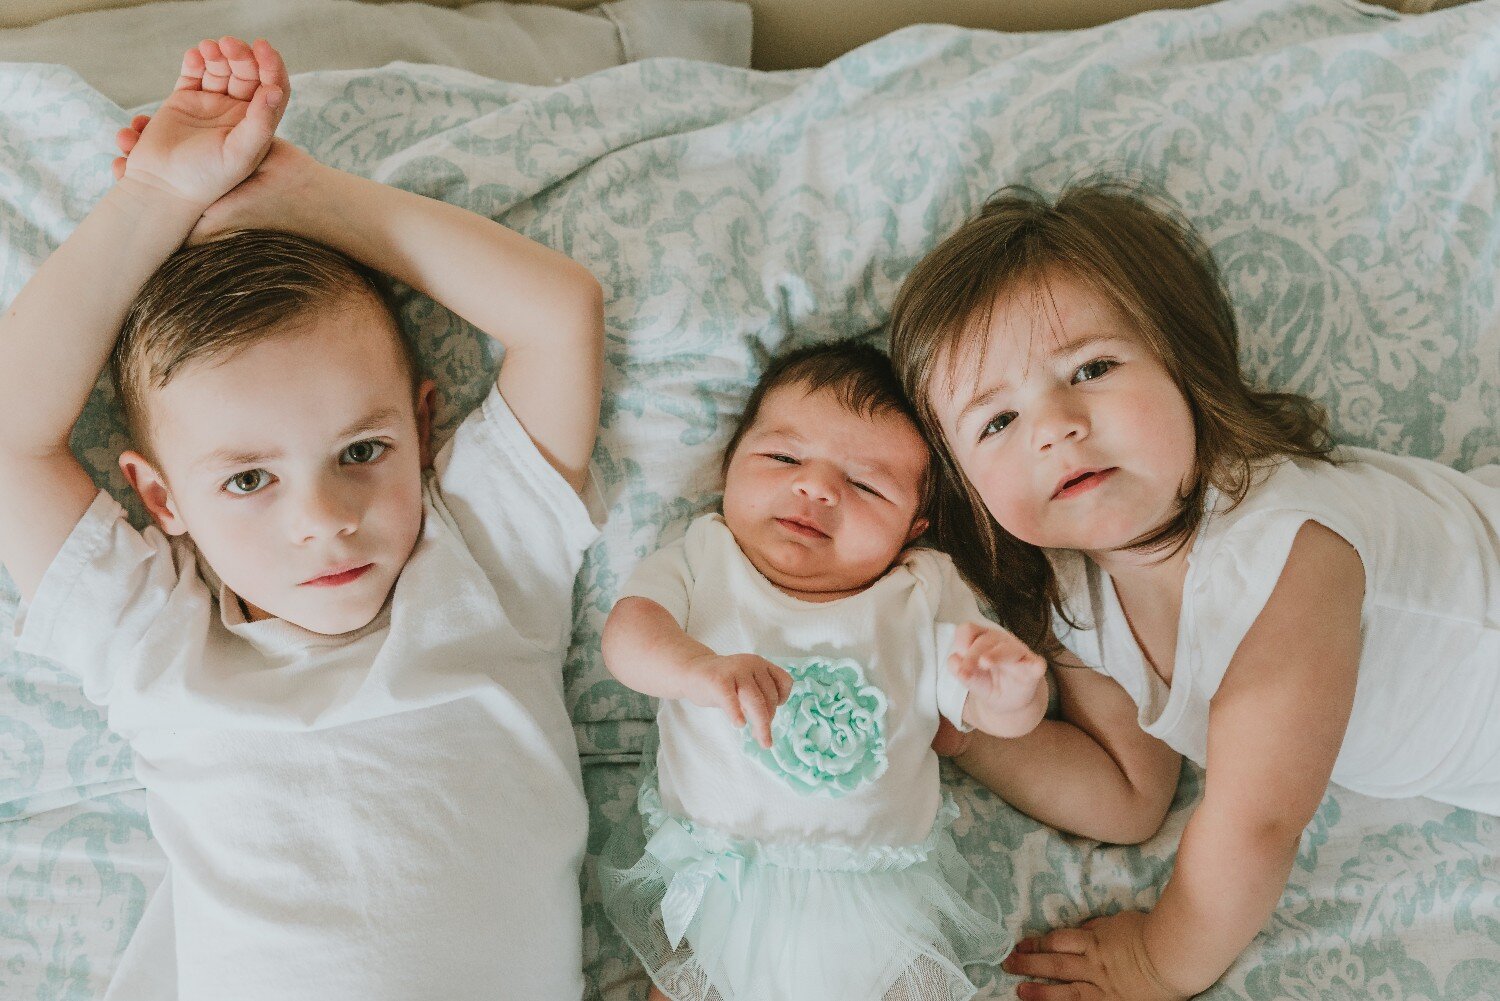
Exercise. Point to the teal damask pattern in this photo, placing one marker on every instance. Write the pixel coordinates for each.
(829, 736)
(1343, 164)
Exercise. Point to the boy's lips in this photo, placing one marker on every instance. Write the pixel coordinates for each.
(1081, 481)
(339, 576)
(803, 527)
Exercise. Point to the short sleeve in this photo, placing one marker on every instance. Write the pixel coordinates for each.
(521, 521)
(956, 605)
(1232, 585)
(666, 578)
(106, 588)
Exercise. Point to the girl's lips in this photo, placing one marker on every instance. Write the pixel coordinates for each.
(798, 528)
(334, 580)
(1082, 483)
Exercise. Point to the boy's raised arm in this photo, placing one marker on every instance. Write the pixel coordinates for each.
(542, 306)
(57, 335)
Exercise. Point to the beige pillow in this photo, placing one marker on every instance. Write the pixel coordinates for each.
(131, 55)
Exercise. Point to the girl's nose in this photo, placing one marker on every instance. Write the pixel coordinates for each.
(1056, 422)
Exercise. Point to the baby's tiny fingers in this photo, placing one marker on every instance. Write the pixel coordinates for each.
(118, 168)
(754, 702)
(125, 140)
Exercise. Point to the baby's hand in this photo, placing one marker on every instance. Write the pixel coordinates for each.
(743, 685)
(1005, 679)
(213, 129)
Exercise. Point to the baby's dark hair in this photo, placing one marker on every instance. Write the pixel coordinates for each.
(861, 379)
(210, 300)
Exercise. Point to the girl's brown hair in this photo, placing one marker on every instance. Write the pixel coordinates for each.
(1135, 253)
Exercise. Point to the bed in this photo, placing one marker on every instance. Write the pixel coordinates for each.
(1342, 159)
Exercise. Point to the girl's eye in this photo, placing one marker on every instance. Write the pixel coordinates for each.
(363, 452)
(997, 424)
(1093, 369)
(246, 483)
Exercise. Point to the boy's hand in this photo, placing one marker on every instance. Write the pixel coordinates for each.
(215, 127)
(743, 685)
(1005, 679)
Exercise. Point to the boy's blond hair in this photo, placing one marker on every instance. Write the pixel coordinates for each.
(208, 301)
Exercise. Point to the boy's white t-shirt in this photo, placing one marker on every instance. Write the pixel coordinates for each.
(1426, 714)
(395, 812)
(899, 630)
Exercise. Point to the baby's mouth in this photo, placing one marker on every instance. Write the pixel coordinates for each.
(806, 529)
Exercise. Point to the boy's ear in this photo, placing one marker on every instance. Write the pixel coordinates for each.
(918, 526)
(426, 404)
(151, 485)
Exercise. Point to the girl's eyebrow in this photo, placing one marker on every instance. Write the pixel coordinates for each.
(982, 399)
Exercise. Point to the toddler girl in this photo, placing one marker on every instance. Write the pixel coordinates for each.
(803, 852)
(1206, 546)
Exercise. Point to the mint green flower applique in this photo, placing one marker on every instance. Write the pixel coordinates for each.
(829, 736)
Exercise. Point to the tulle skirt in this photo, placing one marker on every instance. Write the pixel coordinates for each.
(719, 918)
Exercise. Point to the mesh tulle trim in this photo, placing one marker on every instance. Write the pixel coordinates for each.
(787, 922)
(829, 857)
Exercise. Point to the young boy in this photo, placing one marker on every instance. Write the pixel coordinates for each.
(336, 656)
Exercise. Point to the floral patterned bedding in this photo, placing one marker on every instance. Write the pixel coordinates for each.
(1341, 161)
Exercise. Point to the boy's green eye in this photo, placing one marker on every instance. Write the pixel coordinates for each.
(362, 452)
(247, 482)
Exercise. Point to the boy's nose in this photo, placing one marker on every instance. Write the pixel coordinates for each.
(324, 515)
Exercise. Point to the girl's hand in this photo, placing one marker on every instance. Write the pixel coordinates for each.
(215, 127)
(1105, 960)
(1005, 679)
(743, 685)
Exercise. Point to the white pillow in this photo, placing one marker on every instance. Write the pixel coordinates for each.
(131, 55)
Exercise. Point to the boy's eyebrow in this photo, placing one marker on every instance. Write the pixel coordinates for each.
(228, 457)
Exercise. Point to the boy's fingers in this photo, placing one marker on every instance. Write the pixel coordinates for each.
(272, 69)
(244, 74)
(249, 139)
(215, 67)
(191, 74)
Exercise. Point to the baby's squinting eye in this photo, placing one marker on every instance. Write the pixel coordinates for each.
(363, 452)
(866, 488)
(779, 457)
(1093, 369)
(997, 424)
(246, 483)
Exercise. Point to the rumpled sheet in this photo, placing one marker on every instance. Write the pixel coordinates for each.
(1342, 162)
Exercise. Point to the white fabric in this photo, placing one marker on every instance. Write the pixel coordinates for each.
(899, 630)
(395, 812)
(131, 55)
(1426, 716)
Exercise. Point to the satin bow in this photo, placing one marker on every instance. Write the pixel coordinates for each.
(692, 868)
